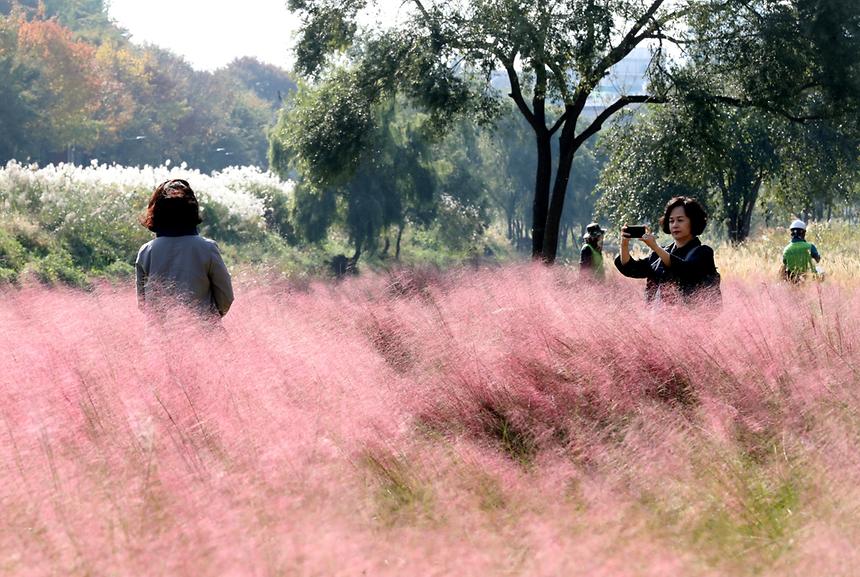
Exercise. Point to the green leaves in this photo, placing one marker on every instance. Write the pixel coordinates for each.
(328, 27)
(800, 58)
(324, 131)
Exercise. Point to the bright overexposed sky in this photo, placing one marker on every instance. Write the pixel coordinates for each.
(210, 34)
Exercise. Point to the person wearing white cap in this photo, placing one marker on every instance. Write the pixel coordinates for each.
(797, 257)
(591, 255)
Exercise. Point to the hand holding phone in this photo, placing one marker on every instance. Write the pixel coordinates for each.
(635, 230)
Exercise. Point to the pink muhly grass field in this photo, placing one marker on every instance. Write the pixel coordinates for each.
(511, 421)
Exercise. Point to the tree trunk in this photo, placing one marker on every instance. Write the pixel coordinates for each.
(567, 149)
(384, 253)
(739, 198)
(400, 228)
(541, 200)
(749, 206)
(354, 260)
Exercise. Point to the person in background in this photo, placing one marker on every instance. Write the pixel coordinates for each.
(682, 271)
(591, 255)
(798, 256)
(179, 265)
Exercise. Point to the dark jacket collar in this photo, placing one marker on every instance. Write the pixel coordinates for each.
(694, 242)
(176, 232)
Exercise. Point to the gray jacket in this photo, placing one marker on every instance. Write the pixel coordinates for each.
(189, 267)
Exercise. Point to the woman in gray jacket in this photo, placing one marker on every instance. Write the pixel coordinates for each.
(178, 263)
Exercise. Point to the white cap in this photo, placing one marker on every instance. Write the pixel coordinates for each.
(797, 224)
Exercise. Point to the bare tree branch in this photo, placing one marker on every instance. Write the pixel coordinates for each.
(517, 94)
(627, 43)
(739, 103)
(422, 9)
(561, 79)
(607, 112)
(558, 123)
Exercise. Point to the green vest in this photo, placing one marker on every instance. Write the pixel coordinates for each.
(596, 261)
(797, 257)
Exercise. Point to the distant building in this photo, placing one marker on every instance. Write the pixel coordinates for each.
(627, 77)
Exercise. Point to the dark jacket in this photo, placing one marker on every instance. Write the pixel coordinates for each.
(692, 269)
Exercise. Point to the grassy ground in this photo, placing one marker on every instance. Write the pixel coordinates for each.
(760, 258)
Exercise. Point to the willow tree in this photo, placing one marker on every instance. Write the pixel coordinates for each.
(443, 54)
(368, 167)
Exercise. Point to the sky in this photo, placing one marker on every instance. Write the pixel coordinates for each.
(211, 34)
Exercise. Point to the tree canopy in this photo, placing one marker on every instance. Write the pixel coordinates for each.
(77, 89)
(778, 56)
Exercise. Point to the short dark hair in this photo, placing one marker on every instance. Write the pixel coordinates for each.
(692, 208)
(173, 206)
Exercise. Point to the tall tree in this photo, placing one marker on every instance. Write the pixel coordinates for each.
(268, 82)
(821, 169)
(385, 182)
(559, 51)
(18, 112)
(69, 87)
(715, 152)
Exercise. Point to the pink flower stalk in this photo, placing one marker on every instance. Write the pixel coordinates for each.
(512, 421)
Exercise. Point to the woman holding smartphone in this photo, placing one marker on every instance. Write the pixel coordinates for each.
(683, 271)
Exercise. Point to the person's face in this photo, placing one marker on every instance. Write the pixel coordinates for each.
(679, 225)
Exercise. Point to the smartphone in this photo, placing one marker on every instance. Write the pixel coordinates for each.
(635, 231)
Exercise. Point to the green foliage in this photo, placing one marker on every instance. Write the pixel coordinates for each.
(328, 26)
(13, 255)
(313, 212)
(725, 156)
(820, 169)
(88, 18)
(277, 210)
(75, 89)
(323, 132)
(458, 227)
(118, 270)
(58, 268)
(716, 153)
(17, 109)
(270, 83)
(28, 234)
(23, 244)
(639, 179)
(800, 58)
(363, 165)
(441, 56)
